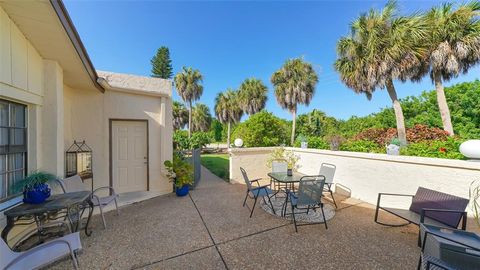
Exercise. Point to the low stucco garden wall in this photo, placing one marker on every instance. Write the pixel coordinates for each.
(364, 175)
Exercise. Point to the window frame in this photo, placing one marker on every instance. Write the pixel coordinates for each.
(11, 149)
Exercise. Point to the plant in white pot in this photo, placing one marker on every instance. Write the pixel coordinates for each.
(288, 156)
(394, 147)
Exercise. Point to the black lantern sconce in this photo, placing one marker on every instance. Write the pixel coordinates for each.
(79, 161)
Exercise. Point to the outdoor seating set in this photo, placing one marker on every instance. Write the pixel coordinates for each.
(60, 218)
(438, 216)
(307, 197)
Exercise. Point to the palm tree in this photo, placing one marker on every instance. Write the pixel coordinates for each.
(454, 41)
(227, 109)
(252, 96)
(180, 115)
(201, 118)
(189, 88)
(381, 48)
(294, 84)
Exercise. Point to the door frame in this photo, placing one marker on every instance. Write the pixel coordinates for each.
(110, 165)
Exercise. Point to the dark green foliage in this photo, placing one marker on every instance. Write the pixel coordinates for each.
(262, 129)
(33, 179)
(316, 123)
(198, 140)
(216, 129)
(179, 170)
(315, 142)
(162, 64)
(361, 146)
(437, 149)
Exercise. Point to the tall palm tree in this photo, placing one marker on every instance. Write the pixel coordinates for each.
(294, 84)
(454, 42)
(382, 47)
(201, 118)
(252, 96)
(180, 115)
(227, 109)
(189, 88)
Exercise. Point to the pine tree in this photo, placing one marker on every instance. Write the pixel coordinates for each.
(161, 64)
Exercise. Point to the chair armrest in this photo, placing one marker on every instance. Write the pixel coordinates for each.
(260, 187)
(256, 181)
(422, 214)
(446, 238)
(40, 247)
(38, 228)
(391, 194)
(111, 189)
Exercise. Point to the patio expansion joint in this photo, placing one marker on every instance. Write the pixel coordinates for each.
(208, 231)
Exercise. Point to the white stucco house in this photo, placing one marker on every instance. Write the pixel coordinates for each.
(51, 95)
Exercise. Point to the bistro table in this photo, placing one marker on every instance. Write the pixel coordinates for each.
(74, 203)
(286, 180)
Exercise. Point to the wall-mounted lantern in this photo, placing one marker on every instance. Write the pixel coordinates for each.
(79, 161)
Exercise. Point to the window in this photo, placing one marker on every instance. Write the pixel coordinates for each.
(13, 147)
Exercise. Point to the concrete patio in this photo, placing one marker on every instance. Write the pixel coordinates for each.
(210, 230)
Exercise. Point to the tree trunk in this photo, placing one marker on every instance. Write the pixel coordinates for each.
(294, 115)
(442, 104)
(397, 107)
(190, 119)
(228, 135)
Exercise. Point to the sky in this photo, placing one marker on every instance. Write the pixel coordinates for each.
(230, 41)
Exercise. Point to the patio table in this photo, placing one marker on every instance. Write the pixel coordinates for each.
(74, 203)
(288, 180)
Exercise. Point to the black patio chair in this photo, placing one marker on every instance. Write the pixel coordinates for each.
(308, 197)
(255, 192)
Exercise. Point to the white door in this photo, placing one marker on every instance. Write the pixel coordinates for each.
(129, 156)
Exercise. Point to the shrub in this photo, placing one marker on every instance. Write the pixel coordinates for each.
(315, 142)
(436, 149)
(198, 140)
(419, 133)
(361, 146)
(262, 129)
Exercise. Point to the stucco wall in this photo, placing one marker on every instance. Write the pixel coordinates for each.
(87, 115)
(364, 175)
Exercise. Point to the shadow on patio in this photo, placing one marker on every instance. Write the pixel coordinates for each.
(210, 230)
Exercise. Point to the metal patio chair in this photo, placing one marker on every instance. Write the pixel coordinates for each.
(308, 197)
(255, 192)
(278, 166)
(41, 255)
(446, 248)
(328, 170)
(75, 183)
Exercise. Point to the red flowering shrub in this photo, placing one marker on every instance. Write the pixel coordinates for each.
(419, 133)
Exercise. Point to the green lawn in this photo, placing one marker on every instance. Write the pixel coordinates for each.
(218, 164)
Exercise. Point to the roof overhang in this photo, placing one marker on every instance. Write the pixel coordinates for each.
(137, 85)
(47, 25)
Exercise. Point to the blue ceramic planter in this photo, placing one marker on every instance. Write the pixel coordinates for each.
(37, 194)
(183, 191)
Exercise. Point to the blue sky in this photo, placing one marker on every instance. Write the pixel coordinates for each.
(231, 41)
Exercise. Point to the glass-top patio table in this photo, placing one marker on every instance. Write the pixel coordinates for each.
(73, 202)
(283, 179)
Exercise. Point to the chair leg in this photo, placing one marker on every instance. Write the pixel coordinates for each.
(245, 201)
(271, 205)
(253, 208)
(308, 209)
(103, 217)
(116, 206)
(294, 220)
(419, 265)
(74, 260)
(333, 198)
(324, 219)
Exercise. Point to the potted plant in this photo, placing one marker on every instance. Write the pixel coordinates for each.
(180, 172)
(394, 147)
(303, 141)
(288, 156)
(35, 188)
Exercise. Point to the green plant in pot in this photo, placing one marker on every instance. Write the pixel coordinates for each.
(287, 155)
(180, 172)
(35, 187)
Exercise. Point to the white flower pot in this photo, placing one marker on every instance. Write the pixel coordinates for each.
(471, 149)
(304, 145)
(393, 149)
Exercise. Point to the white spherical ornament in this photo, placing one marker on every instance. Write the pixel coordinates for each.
(471, 149)
(238, 142)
